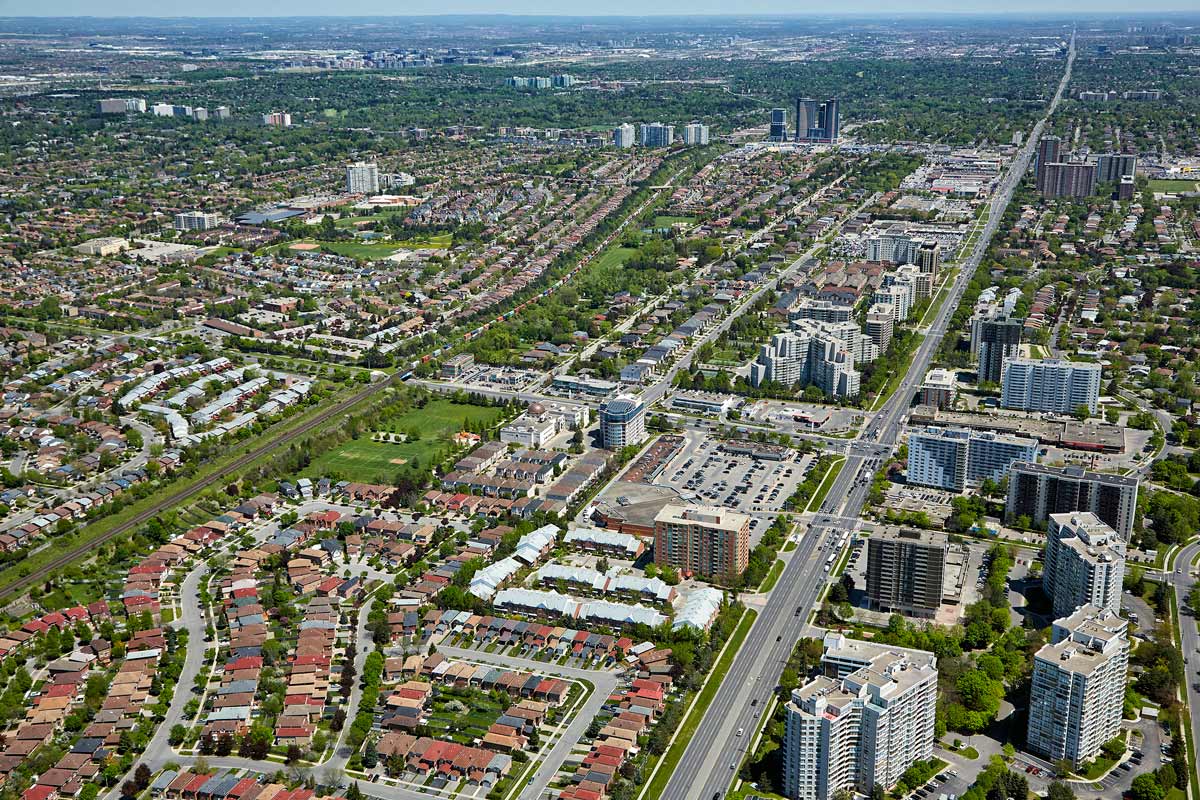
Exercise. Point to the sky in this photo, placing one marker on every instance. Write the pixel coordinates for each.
(243, 8)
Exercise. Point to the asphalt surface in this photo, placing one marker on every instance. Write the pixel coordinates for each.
(710, 761)
(1189, 643)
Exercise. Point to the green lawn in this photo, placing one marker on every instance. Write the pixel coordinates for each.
(667, 220)
(831, 474)
(614, 257)
(377, 462)
(459, 727)
(772, 577)
(1167, 186)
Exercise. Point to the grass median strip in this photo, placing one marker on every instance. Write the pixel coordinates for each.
(772, 577)
(835, 467)
(670, 760)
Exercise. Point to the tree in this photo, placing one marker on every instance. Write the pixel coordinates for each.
(1059, 791)
(294, 753)
(353, 792)
(1146, 787)
(142, 776)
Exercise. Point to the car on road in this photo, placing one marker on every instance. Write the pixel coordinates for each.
(740, 731)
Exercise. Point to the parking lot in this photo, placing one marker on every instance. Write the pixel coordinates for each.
(706, 473)
(946, 784)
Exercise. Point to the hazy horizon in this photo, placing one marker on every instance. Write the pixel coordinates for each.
(241, 9)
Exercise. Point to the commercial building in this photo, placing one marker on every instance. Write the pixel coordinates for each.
(1036, 491)
(562, 81)
(624, 135)
(456, 366)
(122, 105)
(695, 133)
(1050, 384)
(995, 337)
(622, 421)
(778, 129)
(1084, 563)
(196, 221)
(952, 458)
(1112, 167)
(817, 121)
(278, 119)
(362, 177)
(815, 354)
(656, 134)
(1077, 692)
(938, 389)
(862, 729)
(905, 572)
(709, 541)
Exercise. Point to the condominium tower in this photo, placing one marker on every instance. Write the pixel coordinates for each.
(905, 572)
(863, 728)
(624, 135)
(1050, 384)
(817, 120)
(952, 458)
(710, 541)
(1077, 692)
(362, 177)
(1084, 562)
(622, 422)
(1036, 491)
(995, 338)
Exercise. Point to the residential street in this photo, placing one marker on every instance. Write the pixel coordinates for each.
(604, 681)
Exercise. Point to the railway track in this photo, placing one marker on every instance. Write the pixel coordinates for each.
(78, 551)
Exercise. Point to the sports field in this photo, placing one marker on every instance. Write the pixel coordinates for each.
(1167, 186)
(377, 462)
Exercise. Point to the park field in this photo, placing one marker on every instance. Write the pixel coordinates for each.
(1173, 186)
(369, 461)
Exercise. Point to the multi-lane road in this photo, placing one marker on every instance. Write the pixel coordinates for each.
(1189, 639)
(716, 750)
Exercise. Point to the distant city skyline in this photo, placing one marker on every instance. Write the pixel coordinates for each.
(632, 8)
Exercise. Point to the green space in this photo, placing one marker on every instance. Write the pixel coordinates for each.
(463, 715)
(1168, 186)
(614, 257)
(835, 468)
(211, 257)
(670, 759)
(667, 220)
(772, 577)
(367, 251)
(424, 436)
